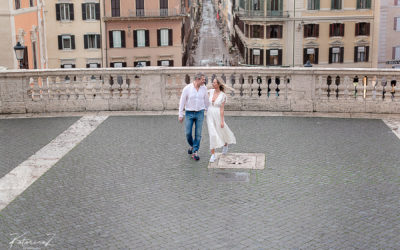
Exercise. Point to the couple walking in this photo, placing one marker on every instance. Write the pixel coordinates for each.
(195, 99)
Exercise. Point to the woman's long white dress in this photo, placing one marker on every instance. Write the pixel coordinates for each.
(218, 136)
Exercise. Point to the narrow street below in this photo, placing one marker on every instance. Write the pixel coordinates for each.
(211, 49)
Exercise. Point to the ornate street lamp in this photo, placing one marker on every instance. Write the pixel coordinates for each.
(19, 53)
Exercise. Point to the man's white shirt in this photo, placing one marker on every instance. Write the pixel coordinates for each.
(193, 100)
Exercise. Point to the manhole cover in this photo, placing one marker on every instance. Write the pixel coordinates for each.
(239, 161)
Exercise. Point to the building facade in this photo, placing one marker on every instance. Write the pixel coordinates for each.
(74, 33)
(389, 37)
(146, 33)
(22, 21)
(7, 33)
(327, 33)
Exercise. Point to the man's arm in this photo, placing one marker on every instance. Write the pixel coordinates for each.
(182, 102)
(206, 99)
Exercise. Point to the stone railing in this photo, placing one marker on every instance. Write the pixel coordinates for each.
(259, 13)
(159, 88)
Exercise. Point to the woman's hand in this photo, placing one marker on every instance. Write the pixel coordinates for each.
(222, 124)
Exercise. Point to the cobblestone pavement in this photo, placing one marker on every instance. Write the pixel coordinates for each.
(328, 184)
(21, 138)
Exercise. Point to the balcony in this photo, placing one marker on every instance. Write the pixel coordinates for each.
(262, 14)
(155, 12)
(159, 88)
(135, 14)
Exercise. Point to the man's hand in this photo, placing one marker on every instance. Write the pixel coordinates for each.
(222, 124)
(180, 119)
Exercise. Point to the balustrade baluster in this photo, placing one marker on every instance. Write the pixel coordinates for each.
(246, 87)
(321, 81)
(278, 86)
(287, 86)
(35, 89)
(124, 87)
(263, 86)
(337, 83)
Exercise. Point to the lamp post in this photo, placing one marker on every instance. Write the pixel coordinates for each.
(19, 53)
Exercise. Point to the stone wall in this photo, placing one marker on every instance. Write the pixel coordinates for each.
(159, 88)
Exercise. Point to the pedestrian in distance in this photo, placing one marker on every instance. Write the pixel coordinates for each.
(194, 100)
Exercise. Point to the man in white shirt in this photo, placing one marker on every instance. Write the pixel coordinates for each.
(194, 100)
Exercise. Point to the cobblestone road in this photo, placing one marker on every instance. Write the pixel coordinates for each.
(328, 184)
(211, 48)
(21, 138)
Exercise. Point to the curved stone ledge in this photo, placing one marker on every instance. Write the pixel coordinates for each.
(159, 88)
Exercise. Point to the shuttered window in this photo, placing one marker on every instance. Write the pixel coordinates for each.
(336, 4)
(336, 29)
(362, 29)
(115, 8)
(313, 4)
(363, 4)
(311, 30)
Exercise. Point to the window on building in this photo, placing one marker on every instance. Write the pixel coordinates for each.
(256, 56)
(118, 64)
(141, 63)
(93, 65)
(141, 39)
(396, 53)
(274, 31)
(66, 42)
(17, 4)
(336, 4)
(257, 31)
(117, 38)
(313, 4)
(362, 29)
(311, 30)
(336, 29)
(139, 7)
(275, 5)
(256, 5)
(397, 2)
(397, 23)
(164, 37)
(65, 11)
(91, 41)
(242, 4)
(31, 3)
(361, 53)
(336, 54)
(310, 54)
(363, 4)
(115, 8)
(163, 7)
(167, 63)
(90, 11)
(68, 66)
(274, 57)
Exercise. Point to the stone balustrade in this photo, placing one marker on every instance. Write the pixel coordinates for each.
(159, 88)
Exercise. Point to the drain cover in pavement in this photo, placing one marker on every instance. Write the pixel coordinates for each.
(239, 160)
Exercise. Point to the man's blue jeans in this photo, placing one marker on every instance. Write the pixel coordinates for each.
(196, 117)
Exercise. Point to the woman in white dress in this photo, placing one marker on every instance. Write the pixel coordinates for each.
(220, 134)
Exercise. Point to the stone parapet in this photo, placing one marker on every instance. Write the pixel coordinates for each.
(159, 88)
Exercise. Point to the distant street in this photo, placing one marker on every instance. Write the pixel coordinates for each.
(211, 49)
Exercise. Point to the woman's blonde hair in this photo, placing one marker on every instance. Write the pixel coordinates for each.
(221, 85)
